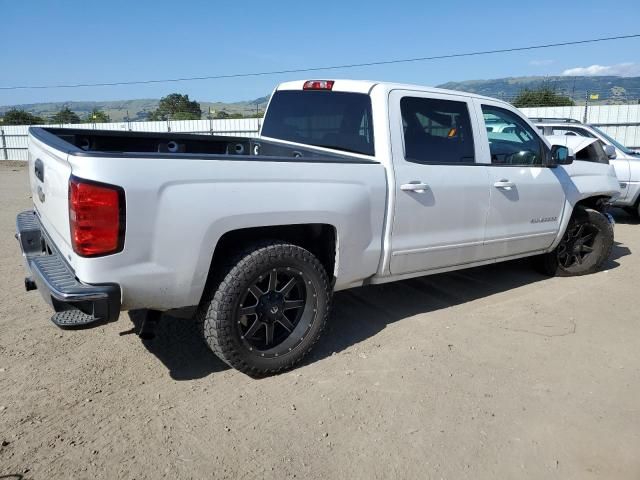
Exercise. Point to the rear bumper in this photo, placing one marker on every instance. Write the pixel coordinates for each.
(55, 279)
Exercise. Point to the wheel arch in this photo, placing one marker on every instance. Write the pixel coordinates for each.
(596, 202)
(599, 202)
(320, 239)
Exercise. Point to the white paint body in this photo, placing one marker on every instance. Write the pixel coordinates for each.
(177, 209)
(627, 166)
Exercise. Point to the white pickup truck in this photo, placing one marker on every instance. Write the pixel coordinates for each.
(350, 183)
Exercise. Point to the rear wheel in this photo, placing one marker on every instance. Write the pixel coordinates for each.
(268, 309)
(585, 246)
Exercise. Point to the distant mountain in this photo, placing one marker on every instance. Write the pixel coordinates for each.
(609, 89)
(136, 110)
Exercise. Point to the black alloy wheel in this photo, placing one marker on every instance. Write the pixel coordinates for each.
(267, 307)
(585, 245)
(577, 245)
(276, 311)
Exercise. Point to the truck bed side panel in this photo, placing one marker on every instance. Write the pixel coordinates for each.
(177, 210)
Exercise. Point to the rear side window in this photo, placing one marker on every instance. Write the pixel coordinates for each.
(580, 132)
(338, 120)
(512, 141)
(436, 131)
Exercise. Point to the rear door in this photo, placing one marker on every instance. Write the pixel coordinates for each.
(441, 191)
(527, 198)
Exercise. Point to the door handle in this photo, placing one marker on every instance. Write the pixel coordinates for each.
(505, 184)
(414, 187)
(38, 169)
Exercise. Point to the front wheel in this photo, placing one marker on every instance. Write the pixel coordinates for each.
(585, 246)
(268, 310)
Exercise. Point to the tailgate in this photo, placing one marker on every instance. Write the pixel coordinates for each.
(49, 174)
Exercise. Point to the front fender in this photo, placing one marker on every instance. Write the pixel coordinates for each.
(582, 181)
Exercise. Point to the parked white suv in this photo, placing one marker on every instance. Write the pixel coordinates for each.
(625, 161)
(351, 183)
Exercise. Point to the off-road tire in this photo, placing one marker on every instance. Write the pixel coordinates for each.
(551, 263)
(218, 317)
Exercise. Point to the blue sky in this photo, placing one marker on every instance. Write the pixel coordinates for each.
(52, 42)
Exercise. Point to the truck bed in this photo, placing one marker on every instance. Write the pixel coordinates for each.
(179, 204)
(86, 142)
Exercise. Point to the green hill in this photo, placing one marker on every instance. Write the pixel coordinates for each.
(136, 110)
(609, 89)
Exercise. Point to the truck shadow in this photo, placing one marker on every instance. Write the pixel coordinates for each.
(624, 218)
(618, 251)
(361, 313)
(358, 313)
(179, 346)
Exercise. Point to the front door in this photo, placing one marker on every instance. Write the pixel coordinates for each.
(527, 198)
(441, 192)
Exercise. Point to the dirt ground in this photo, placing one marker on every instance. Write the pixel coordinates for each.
(495, 372)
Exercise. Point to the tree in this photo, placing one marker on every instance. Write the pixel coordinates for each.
(97, 116)
(176, 107)
(541, 97)
(20, 117)
(222, 114)
(65, 116)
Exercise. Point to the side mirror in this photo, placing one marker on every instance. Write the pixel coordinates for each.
(561, 155)
(610, 150)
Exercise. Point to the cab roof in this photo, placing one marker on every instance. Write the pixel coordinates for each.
(366, 86)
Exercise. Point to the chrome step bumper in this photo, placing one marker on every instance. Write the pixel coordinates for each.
(56, 281)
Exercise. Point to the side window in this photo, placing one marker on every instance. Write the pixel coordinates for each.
(512, 141)
(581, 132)
(436, 131)
(592, 153)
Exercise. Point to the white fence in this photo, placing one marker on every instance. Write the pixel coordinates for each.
(13, 139)
(622, 122)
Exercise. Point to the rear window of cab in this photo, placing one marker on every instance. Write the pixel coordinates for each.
(337, 120)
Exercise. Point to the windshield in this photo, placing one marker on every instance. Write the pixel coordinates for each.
(338, 120)
(613, 142)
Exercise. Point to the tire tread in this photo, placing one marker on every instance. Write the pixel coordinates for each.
(547, 263)
(215, 310)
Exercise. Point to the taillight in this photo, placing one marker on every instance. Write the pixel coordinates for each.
(318, 85)
(97, 217)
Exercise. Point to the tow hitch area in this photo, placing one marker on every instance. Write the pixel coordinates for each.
(76, 304)
(149, 325)
(29, 284)
(72, 318)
